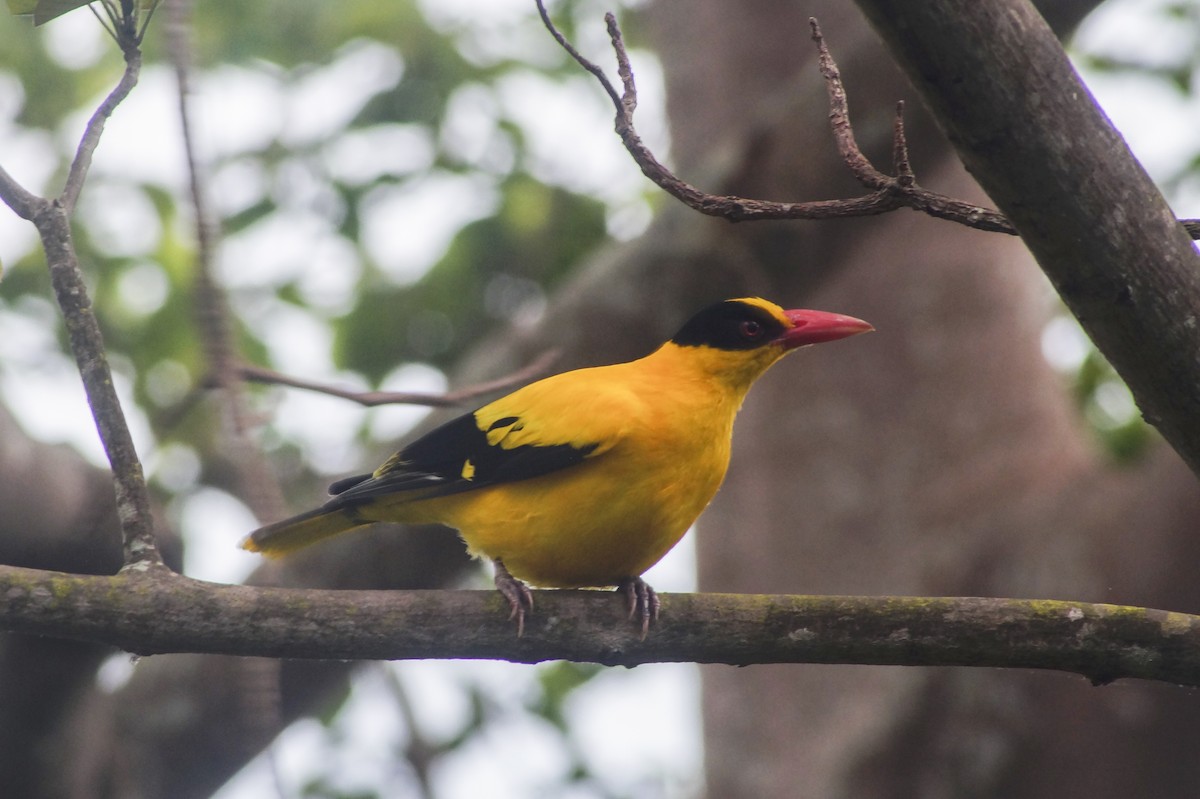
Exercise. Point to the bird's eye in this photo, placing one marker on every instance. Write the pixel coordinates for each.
(750, 329)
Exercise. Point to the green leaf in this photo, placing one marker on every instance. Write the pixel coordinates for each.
(21, 7)
(45, 10)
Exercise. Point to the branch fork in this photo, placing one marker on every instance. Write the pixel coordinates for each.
(887, 192)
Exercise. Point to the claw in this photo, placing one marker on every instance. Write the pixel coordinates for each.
(642, 601)
(519, 597)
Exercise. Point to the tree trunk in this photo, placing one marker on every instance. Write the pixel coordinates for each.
(939, 456)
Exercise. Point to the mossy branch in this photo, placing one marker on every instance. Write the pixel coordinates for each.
(159, 612)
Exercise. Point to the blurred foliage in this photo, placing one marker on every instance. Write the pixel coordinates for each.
(314, 170)
(497, 269)
(558, 681)
(1176, 66)
(1121, 429)
(494, 271)
(43, 11)
(1173, 61)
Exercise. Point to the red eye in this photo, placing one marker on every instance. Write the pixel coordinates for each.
(750, 329)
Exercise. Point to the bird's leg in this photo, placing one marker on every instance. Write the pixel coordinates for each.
(642, 601)
(519, 597)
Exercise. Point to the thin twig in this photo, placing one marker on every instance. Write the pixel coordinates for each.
(370, 399)
(95, 126)
(103, 19)
(52, 220)
(624, 68)
(571, 51)
(887, 193)
(900, 162)
(839, 117)
(146, 22)
(23, 202)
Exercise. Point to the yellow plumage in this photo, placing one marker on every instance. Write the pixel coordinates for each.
(585, 478)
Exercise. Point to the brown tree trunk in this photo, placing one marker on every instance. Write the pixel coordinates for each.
(940, 456)
(59, 512)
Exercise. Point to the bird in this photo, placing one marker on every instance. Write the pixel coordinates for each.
(583, 479)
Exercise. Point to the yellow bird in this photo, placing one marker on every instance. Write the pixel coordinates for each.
(586, 478)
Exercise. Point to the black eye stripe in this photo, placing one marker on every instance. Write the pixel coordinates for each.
(730, 325)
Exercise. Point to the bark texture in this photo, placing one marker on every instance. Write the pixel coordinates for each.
(1028, 129)
(59, 513)
(161, 613)
(941, 456)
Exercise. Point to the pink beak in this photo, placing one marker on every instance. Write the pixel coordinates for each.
(814, 327)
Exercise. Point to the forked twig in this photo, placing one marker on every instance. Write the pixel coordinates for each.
(887, 192)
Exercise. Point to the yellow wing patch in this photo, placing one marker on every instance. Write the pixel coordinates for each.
(588, 408)
(499, 433)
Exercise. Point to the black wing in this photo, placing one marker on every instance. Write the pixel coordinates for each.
(456, 457)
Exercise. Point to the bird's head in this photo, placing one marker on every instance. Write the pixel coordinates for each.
(740, 339)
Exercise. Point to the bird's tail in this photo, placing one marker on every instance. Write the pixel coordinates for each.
(291, 534)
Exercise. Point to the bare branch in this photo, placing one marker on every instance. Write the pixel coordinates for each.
(888, 193)
(52, 220)
(900, 162)
(159, 613)
(1087, 210)
(891, 192)
(87, 345)
(575, 54)
(370, 399)
(24, 203)
(839, 117)
(624, 68)
(95, 126)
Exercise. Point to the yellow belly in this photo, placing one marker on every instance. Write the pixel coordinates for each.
(591, 525)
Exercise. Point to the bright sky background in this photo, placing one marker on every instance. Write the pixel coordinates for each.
(641, 728)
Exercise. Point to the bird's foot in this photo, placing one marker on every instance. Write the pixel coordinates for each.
(519, 597)
(642, 601)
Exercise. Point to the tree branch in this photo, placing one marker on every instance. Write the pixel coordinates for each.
(52, 220)
(1029, 131)
(888, 193)
(23, 202)
(87, 345)
(161, 612)
(95, 126)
